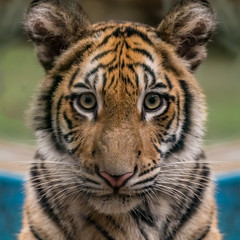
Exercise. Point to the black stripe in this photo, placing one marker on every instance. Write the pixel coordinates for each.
(157, 149)
(150, 71)
(34, 233)
(70, 133)
(137, 220)
(102, 54)
(105, 40)
(73, 78)
(178, 110)
(171, 139)
(143, 234)
(112, 81)
(147, 171)
(160, 137)
(127, 80)
(205, 233)
(168, 64)
(187, 121)
(48, 97)
(144, 216)
(87, 188)
(143, 52)
(104, 83)
(168, 82)
(68, 233)
(146, 68)
(192, 207)
(98, 227)
(59, 131)
(73, 150)
(137, 80)
(103, 28)
(112, 68)
(77, 58)
(68, 121)
(49, 101)
(159, 85)
(68, 137)
(97, 68)
(134, 32)
(42, 197)
(93, 71)
(91, 181)
(130, 67)
(146, 180)
(196, 200)
(81, 85)
(170, 121)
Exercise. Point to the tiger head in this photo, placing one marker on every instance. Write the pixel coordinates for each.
(119, 113)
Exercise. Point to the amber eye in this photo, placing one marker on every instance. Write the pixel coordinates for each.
(152, 101)
(87, 101)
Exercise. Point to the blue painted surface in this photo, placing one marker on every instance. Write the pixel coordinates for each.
(11, 202)
(228, 200)
(12, 197)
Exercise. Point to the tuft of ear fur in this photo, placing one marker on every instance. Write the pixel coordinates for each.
(53, 25)
(188, 27)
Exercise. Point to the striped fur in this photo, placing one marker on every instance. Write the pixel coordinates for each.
(170, 194)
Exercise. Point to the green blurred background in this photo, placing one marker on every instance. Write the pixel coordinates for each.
(20, 71)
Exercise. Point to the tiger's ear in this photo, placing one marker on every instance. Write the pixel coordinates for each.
(188, 27)
(53, 25)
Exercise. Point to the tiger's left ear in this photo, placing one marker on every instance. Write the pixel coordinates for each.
(188, 27)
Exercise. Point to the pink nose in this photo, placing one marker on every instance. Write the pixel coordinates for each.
(116, 181)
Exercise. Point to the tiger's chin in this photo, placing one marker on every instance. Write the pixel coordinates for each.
(114, 204)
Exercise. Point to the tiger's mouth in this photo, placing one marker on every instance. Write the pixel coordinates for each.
(114, 203)
(117, 200)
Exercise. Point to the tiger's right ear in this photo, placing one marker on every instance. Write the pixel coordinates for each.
(53, 25)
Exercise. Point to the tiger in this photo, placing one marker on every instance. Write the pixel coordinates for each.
(119, 120)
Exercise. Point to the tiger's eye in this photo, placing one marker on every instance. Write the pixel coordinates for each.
(152, 101)
(87, 101)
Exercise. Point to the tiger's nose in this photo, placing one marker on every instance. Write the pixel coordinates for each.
(116, 181)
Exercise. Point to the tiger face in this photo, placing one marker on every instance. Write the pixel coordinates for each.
(119, 116)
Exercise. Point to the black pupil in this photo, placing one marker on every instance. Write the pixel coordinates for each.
(88, 100)
(152, 100)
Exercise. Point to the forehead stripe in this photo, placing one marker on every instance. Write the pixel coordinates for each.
(143, 52)
(101, 55)
(126, 32)
(134, 32)
(73, 78)
(77, 58)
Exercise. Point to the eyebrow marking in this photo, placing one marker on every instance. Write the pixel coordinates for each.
(168, 82)
(81, 85)
(159, 85)
(73, 78)
(101, 55)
